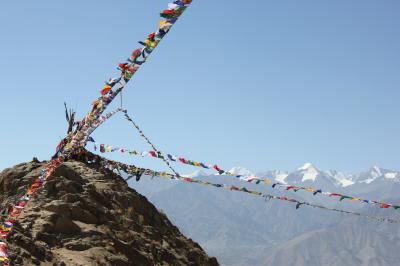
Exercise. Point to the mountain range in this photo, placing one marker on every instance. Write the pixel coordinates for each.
(240, 229)
(308, 172)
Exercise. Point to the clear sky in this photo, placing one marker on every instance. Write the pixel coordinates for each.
(260, 84)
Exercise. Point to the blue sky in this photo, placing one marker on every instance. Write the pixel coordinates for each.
(260, 84)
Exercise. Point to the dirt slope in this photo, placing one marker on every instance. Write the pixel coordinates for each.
(89, 216)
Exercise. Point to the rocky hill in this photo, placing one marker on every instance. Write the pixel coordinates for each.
(89, 216)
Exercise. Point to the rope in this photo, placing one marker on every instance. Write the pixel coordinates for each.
(150, 143)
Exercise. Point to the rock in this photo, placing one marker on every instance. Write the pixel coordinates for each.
(35, 160)
(89, 216)
(64, 225)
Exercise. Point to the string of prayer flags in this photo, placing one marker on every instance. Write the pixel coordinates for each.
(127, 69)
(249, 179)
(79, 137)
(7, 223)
(91, 158)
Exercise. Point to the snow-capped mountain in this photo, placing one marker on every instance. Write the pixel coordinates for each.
(198, 173)
(341, 178)
(235, 171)
(377, 174)
(278, 175)
(311, 175)
(241, 171)
(309, 172)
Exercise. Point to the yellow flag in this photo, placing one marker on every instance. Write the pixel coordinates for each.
(356, 199)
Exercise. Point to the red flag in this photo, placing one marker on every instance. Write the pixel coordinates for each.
(385, 206)
(216, 167)
(106, 89)
(182, 160)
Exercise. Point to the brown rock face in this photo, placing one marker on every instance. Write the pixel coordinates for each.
(89, 216)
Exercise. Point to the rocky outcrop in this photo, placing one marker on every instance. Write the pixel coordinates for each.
(86, 215)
